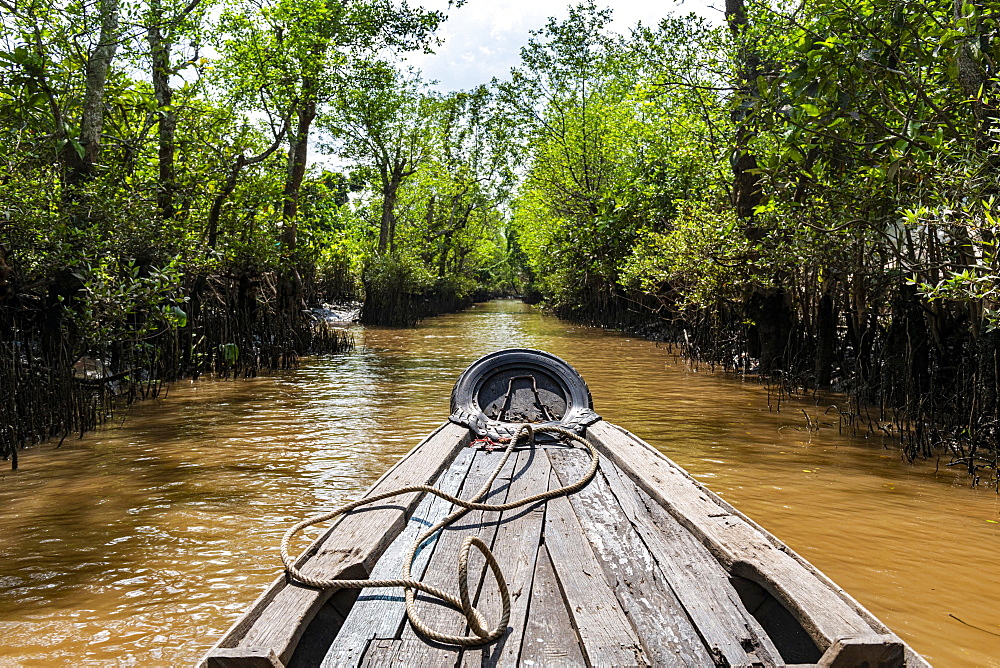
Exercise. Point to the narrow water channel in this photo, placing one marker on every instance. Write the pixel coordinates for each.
(139, 544)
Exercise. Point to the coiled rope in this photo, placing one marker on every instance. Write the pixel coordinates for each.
(475, 619)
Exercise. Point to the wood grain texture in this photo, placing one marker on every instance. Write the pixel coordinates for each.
(874, 651)
(319, 635)
(702, 586)
(349, 549)
(741, 547)
(550, 639)
(442, 570)
(384, 652)
(607, 636)
(246, 657)
(647, 565)
(515, 548)
(379, 612)
(660, 620)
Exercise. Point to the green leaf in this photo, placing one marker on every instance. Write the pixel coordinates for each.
(181, 316)
(78, 147)
(811, 109)
(230, 352)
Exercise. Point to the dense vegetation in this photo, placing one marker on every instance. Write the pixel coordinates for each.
(162, 214)
(807, 192)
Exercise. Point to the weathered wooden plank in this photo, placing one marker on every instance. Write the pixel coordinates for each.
(743, 548)
(608, 638)
(442, 569)
(550, 639)
(349, 549)
(702, 586)
(658, 617)
(379, 612)
(515, 549)
(323, 628)
(883, 651)
(249, 657)
(383, 653)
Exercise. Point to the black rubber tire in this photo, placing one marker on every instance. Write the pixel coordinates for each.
(466, 410)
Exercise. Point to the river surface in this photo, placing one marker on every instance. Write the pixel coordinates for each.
(142, 542)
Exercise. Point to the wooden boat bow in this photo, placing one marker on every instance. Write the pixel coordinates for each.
(643, 566)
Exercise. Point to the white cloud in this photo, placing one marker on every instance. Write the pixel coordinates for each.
(483, 38)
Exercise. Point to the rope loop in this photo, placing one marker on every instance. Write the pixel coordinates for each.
(473, 615)
(463, 602)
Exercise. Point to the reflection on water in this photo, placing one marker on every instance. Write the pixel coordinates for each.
(141, 543)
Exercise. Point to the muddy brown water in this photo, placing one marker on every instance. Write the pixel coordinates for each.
(141, 543)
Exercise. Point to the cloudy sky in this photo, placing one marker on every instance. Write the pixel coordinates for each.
(483, 38)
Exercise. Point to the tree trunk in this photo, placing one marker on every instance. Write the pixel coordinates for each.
(290, 293)
(241, 161)
(6, 271)
(390, 193)
(429, 218)
(773, 323)
(81, 167)
(443, 260)
(767, 306)
(227, 189)
(298, 153)
(826, 334)
(977, 82)
(159, 52)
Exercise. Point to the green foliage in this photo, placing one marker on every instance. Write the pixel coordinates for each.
(814, 187)
(622, 130)
(438, 172)
(700, 262)
(823, 174)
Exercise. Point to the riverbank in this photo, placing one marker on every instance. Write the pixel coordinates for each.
(64, 374)
(937, 419)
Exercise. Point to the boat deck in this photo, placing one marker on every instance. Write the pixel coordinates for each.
(644, 566)
(575, 566)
